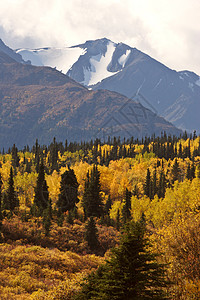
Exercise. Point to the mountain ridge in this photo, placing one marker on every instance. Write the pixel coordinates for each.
(42, 103)
(103, 64)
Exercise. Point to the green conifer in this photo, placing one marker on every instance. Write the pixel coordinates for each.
(12, 200)
(68, 196)
(131, 273)
(91, 234)
(41, 198)
(92, 201)
(126, 210)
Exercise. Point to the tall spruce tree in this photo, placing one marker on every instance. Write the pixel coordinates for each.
(175, 173)
(12, 200)
(92, 201)
(147, 185)
(54, 155)
(15, 157)
(131, 273)
(154, 184)
(41, 198)
(68, 196)
(91, 234)
(126, 210)
(162, 184)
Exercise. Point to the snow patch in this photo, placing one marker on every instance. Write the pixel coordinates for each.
(61, 58)
(99, 64)
(123, 59)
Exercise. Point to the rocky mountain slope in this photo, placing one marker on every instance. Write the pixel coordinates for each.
(41, 102)
(103, 64)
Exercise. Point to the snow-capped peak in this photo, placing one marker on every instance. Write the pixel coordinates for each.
(98, 69)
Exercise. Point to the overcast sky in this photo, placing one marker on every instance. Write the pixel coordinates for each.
(168, 30)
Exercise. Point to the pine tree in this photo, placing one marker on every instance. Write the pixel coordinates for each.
(12, 200)
(70, 219)
(118, 223)
(108, 205)
(92, 202)
(188, 172)
(54, 155)
(41, 198)
(192, 171)
(47, 220)
(15, 157)
(131, 273)
(154, 184)
(175, 171)
(91, 234)
(162, 184)
(126, 210)
(37, 155)
(68, 196)
(147, 185)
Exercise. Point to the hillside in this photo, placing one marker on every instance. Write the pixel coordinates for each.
(41, 102)
(103, 64)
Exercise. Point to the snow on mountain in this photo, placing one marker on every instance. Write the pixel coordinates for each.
(95, 58)
(99, 66)
(60, 58)
(103, 64)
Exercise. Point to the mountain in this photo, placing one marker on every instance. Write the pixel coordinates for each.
(4, 49)
(41, 102)
(103, 64)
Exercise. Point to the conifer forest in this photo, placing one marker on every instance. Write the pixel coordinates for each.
(118, 219)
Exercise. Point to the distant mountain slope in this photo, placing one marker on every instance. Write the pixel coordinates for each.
(11, 53)
(103, 64)
(40, 102)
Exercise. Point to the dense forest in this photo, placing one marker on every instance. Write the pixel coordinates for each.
(81, 220)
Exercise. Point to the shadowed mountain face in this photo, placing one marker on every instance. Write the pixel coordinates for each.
(40, 102)
(102, 64)
(11, 53)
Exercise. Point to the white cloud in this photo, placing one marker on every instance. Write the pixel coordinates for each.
(168, 30)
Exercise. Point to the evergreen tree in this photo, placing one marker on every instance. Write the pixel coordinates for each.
(70, 217)
(126, 210)
(118, 223)
(188, 172)
(147, 185)
(162, 184)
(131, 273)
(36, 150)
(198, 171)
(15, 157)
(154, 184)
(175, 173)
(108, 205)
(68, 196)
(92, 202)
(41, 198)
(12, 200)
(91, 234)
(47, 220)
(192, 171)
(54, 155)
(180, 152)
